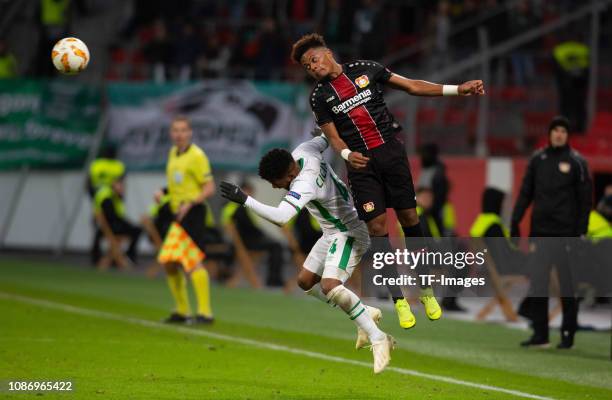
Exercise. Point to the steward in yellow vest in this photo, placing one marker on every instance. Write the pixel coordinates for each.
(108, 201)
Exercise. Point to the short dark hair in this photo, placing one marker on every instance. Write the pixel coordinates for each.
(181, 118)
(305, 43)
(275, 164)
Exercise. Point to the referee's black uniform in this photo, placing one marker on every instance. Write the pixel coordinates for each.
(557, 181)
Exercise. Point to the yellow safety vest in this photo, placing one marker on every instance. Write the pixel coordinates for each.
(449, 217)
(53, 12)
(227, 213)
(155, 207)
(599, 227)
(104, 171)
(104, 193)
(572, 55)
(209, 219)
(8, 66)
(431, 223)
(484, 221)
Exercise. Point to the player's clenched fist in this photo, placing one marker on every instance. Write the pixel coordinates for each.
(357, 160)
(471, 87)
(233, 193)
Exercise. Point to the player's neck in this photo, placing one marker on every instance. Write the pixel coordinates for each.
(336, 71)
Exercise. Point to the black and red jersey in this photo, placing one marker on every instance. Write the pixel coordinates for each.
(354, 102)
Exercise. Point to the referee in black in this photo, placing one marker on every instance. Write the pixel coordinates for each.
(558, 183)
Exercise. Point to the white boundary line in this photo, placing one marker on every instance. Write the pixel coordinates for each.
(255, 343)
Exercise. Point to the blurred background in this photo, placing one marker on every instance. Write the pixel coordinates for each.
(225, 64)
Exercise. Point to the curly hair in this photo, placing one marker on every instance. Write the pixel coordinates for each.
(275, 164)
(305, 43)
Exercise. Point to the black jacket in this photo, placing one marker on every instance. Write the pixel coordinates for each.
(558, 182)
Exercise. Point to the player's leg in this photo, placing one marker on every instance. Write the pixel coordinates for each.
(200, 281)
(193, 223)
(369, 197)
(415, 241)
(178, 288)
(400, 194)
(342, 258)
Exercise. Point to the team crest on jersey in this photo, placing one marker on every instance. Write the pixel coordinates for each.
(564, 167)
(369, 206)
(362, 81)
(294, 194)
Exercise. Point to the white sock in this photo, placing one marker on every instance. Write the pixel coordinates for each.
(350, 303)
(317, 293)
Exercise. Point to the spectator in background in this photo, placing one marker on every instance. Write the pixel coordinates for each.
(572, 72)
(103, 171)
(214, 60)
(433, 176)
(109, 201)
(368, 30)
(604, 207)
(441, 27)
(54, 18)
(330, 23)
(158, 51)
(254, 238)
(271, 49)
(8, 63)
(186, 51)
(522, 19)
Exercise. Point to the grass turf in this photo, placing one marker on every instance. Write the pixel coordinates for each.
(116, 359)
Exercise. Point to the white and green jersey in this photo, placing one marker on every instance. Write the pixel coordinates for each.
(318, 188)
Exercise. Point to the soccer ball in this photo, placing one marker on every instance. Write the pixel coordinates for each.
(70, 56)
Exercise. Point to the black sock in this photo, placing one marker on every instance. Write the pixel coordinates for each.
(382, 245)
(415, 245)
(413, 231)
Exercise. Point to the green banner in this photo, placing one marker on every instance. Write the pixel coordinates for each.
(47, 124)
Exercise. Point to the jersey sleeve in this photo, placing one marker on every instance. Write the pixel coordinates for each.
(201, 169)
(379, 72)
(319, 108)
(299, 194)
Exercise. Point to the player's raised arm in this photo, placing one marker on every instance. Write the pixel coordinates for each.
(423, 88)
(279, 215)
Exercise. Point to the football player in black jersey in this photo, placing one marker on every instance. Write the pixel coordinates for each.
(350, 109)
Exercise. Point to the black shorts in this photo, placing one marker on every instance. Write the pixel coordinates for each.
(194, 222)
(386, 182)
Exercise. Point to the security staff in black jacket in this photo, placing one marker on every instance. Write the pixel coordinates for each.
(557, 181)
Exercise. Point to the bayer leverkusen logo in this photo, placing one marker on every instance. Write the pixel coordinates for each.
(362, 81)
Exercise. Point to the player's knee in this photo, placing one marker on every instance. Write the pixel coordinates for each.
(306, 280)
(328, 284)
(408, 217)
(378, 226)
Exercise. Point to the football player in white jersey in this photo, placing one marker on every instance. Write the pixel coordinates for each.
(312, 183)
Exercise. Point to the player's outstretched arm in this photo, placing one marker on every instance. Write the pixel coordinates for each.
(277, 215)
(424, 88)
(355, 158)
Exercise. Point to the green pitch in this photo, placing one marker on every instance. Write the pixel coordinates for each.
(101, 331)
